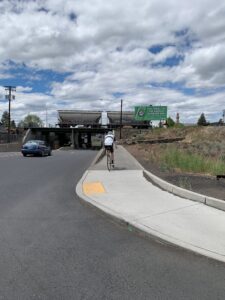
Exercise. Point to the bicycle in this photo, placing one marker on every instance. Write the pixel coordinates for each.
(109, 159)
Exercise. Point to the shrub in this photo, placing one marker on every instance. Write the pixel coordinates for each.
(170, 122)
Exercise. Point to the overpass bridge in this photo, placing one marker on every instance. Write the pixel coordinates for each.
(78, 138)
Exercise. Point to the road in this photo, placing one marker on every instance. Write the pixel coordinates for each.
(52, 246)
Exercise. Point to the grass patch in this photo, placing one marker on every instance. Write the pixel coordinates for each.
(164, 167)
(191, 162)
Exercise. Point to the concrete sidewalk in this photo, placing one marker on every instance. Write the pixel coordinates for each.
(124, 193)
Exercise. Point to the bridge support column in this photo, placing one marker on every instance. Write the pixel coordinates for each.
(75, 140)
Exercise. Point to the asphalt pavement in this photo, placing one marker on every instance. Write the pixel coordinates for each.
(125, 194)
(55, 246)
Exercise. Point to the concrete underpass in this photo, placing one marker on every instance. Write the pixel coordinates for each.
(77, 138)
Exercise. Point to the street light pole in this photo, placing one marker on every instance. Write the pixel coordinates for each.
(9, 96)
(121, 115)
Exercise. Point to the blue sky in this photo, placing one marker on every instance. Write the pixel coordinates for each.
(84, 54)
(38, 80)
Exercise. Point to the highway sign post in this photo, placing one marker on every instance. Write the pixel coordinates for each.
(150, 113)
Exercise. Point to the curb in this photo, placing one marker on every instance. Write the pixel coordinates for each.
(135, 227)
(157, 236)
(176, 190)
(210, 201)
(171, 188)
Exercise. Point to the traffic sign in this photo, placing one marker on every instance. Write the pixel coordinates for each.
(149, 113)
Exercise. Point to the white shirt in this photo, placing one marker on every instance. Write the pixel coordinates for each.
(109, 140)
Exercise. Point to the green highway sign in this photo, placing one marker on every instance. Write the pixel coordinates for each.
(149, 113)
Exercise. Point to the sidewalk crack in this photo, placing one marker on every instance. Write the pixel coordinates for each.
(168, 211)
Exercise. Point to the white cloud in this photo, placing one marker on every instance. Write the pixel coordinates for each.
(105, 45)
(23, 89)
(209, 64)
(33, 103)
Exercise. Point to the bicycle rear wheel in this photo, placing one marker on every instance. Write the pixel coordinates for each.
(109, 163)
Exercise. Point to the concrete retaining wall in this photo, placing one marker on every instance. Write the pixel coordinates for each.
(12, 147)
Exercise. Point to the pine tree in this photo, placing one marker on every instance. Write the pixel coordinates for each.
(13, 124)
(202, 120)
(5, 119)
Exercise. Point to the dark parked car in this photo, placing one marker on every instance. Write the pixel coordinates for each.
(36, 147)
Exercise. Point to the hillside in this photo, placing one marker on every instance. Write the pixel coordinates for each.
(189, 157)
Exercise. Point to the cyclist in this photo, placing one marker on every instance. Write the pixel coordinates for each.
(109, 141)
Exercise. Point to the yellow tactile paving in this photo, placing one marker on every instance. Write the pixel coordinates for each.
(90, 188)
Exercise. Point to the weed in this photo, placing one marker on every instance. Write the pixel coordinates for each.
(184, 182)
(222, 157)
(191, 162)
(164, 168)
(202, 151)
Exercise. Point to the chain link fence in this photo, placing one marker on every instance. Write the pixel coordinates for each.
(14, 137)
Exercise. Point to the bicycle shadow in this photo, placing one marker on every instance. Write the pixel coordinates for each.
(119, 168)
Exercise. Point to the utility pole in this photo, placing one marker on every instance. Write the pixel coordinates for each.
(121, 115)
(46, 116)
(9, 89)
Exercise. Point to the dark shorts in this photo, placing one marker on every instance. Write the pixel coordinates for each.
(110, 148)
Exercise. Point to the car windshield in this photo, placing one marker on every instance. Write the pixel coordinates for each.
(35, 142)
(31, 142)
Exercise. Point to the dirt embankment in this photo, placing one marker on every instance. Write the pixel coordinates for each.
(177, 161)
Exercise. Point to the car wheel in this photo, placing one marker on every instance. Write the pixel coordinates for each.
(49, 153)
(24, 154)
